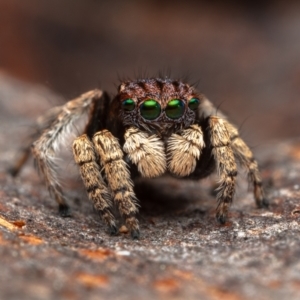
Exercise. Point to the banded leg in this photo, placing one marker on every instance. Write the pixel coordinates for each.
(184, 150)
(45, 147)
(86, 158)
(118, 178)
(245, 157)
(226, 166)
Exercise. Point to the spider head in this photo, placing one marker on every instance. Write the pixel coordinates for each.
(156, 105)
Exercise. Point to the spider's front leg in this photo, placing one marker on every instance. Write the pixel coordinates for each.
(118, 178)
(225, 162)
(86, 158)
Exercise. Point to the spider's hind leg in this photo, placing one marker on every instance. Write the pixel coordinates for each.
(41, 124)
(55, 131)
(245, 157)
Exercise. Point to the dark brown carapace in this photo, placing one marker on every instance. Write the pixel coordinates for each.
(151, 127)
(160, 106)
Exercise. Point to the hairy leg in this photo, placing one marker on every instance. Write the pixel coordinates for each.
(226, 166)
(184, 149)
(45, 148)
(245, 157)
(41, 124)
(118, 178)
(86, 158)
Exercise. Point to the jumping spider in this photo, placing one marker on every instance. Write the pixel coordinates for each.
(151, 127)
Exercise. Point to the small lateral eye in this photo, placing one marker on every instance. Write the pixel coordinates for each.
(128, 105)
(150, 109)
(175, 109)
(194, 103)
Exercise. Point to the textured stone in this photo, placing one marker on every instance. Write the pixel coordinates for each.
(183, 252)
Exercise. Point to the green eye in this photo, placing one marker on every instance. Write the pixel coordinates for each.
(194, 103)
(128, 105)
(175, 109)
(150, 109)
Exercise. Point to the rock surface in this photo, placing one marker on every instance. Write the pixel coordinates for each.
(182, 253)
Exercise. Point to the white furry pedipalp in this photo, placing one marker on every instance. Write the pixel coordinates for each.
(184, 149)
(146, 151)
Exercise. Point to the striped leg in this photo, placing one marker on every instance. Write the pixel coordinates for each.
(118, 178)
(245, 157)
(98, 192)
(226, 166)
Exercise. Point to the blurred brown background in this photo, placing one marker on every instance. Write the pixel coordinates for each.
(244, 57)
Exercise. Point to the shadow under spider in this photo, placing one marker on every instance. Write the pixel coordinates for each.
(167, 195)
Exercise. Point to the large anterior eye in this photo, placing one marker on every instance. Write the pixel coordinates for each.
(194, 103)
(150, 109)
(175, 109)
(128, 105)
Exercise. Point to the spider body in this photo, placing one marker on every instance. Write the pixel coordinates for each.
(153, 125)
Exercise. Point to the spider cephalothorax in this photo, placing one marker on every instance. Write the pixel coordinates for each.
(153, 125)
(161, 106)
